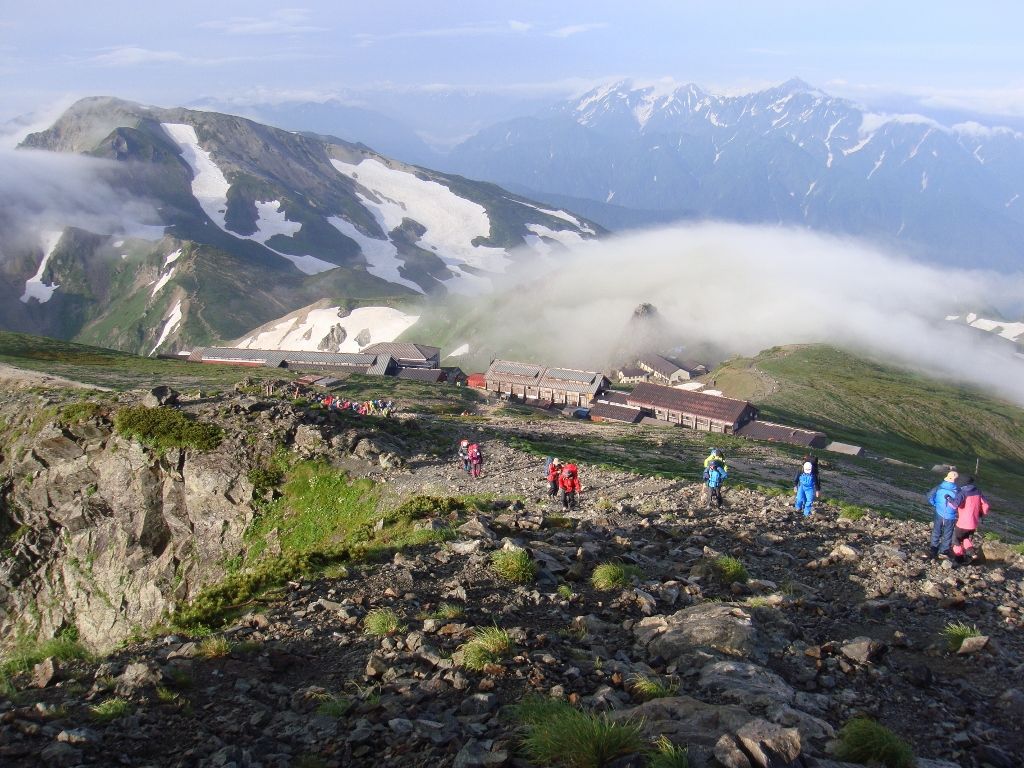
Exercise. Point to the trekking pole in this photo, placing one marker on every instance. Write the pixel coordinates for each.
(977, 465)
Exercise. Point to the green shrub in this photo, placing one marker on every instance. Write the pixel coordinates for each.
(608, 576)
(165, 428)
(424, 507)
(514, 565)
(111, 709)
(28, 652)
(669, 755)
(334, 706)
(382, 621)
(864, 741)
(215, 647)
(956, 632)
(851, 512)
(557, 734)
(650, 688)
(565, 592)
(76, 413)
(447, 612)
(1018, 548)
(730, 570)
(489, 645)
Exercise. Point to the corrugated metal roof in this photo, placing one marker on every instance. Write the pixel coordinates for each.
(615, 396)
(510, 368)
(723, 409)
(568, 374)
(659, 364)
(269, 357)
(632, 372)
(615, 412)
(402, 350)
(779, 433)
(381, 366)
(328, 358)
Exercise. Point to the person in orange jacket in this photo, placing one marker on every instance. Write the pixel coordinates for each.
(569, 482)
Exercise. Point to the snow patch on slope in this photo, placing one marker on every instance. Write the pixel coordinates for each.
(459, 351)
(451, 222)
(170, 324)
(559, 215)
(305, 331)
(35, 288)
(210, 188)
(381, 255)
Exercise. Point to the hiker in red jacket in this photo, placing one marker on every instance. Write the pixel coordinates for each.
(554, 471)
(569, 482)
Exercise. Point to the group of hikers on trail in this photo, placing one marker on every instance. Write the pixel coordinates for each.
(959, 508)
(805, 485)
(564, 478)
(471, 457)
(363, 408)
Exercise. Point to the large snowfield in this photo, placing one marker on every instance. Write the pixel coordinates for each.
(210, 188)
(451, 222)
(304, 332)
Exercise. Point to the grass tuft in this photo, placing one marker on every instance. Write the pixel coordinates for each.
(215, 647)
(730, 570)
(489, 645)
(652, 688)
(447, 612)
(608, 576)
(383, 621)
(851, 512)
(557, 734)
(334, 706)
(514, 565)
(669, 755)
(864, 741)
(111, 709)
(956, 632)
(565, 591)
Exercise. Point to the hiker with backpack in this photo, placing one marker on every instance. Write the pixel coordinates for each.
(716, 455)
(464, 455)
(941, 497)
(569, 482)
(714, 476)
(553, 471)
(807, 489)
(970, 507)
(476, 460)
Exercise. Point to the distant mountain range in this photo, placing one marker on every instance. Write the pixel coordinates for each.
(246, 224)
(625, 155)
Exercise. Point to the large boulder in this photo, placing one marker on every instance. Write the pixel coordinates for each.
(685, 720)
(723, 627)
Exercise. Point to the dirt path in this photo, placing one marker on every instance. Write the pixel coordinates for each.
(21, 378)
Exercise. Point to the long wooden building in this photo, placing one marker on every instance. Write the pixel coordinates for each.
(560, 386)
(708, 413)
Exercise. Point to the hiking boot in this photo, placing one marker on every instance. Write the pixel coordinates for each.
(933, 554)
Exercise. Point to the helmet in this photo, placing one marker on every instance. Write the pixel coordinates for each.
(952, 476)
(715, 452)
(464, 443)
(556, 461)
(808, 467)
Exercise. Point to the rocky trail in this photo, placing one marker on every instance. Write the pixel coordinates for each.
(837, 619)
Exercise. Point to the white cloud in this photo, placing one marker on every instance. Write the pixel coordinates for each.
(287, 21)
(463, 30)
(1005, 102)
(741, 289)
(133, 55)
(576, 29)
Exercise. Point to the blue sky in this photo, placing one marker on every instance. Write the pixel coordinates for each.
(941, 54)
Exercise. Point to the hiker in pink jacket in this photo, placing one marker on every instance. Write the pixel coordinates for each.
(970, 507)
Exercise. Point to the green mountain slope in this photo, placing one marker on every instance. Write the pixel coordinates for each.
(890, 411)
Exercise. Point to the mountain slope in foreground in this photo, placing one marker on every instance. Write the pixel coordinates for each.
(328, 617)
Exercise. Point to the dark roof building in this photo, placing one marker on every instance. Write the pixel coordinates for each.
(708, 413)
(780, 433)
(631, 374)
(602, 411)
(407, 354)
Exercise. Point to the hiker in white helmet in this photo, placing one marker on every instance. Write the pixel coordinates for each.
(807, 489)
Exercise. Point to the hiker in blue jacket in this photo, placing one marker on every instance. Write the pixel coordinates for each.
(807, 489)
(714, 475)
(941, 497)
